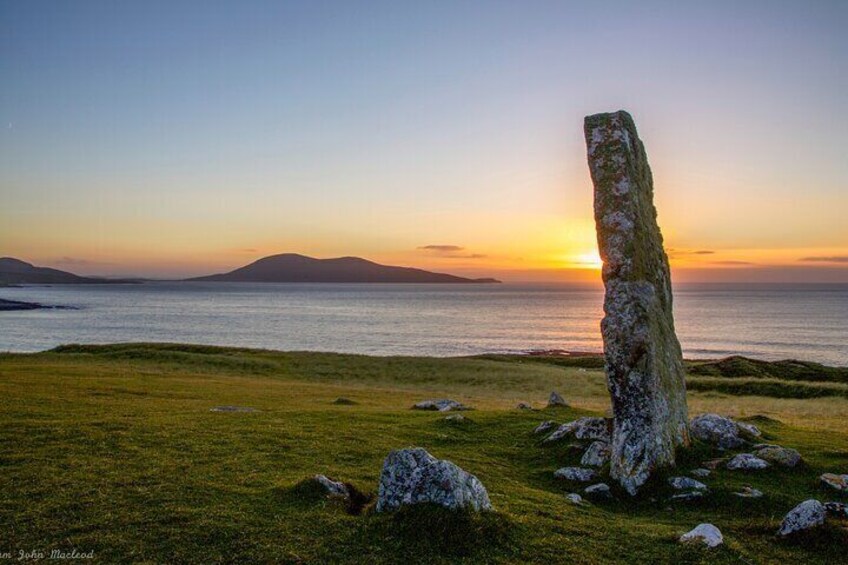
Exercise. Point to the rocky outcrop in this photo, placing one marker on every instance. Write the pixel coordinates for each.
(597, 454)
(441, 405)
(746, 462)
(807, 515)
(644, 365)
(582, 428)
(706, 534)
(413, 476)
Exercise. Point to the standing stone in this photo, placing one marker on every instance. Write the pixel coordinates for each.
(644, 365)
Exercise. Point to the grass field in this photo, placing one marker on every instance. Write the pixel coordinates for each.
(113, 449)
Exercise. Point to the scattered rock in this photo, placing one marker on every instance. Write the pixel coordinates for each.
(442, 405)
(455, 418)
(575, 498)
(685, 483)
(333, 488)
(716, 430)
(582, 428)
(687, 496)
(749, 430)
(344, 401)
(544, 427)
(749, 492)
(706, 534)
(576, 474)
(413, 476)
(839, 482)
(596, 455)
(783, 456)
(556, 400)
(523, 406)
(746, 462)
(600, 491)
(763, 446)
(809, 514)
(701, 473)
(836, 509)
(233, 409)
(643, 362)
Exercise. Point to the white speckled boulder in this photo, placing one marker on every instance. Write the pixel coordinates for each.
(716, 430)
(644, 364)
(746, 462)
(440, 405)
(596, 455)
(782, 456)
(582, 428)
(413, 476)
(809, 514)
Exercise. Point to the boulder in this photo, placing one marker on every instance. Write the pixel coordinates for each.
(746, 462)
(582, 428)
(643, 361)
(575, 498)
(413, 476)
(523, 406)
(776, 455)
(556, 400)
(333, 488)
(576, 474)
(749, 492)
(441, 405)
(600, 491)
(685, 483)
(544, 427)
(706, 534)
(716, 430)
(838, 482)
(701, 473)
(749, 431)
(807, 515)
(597, 454)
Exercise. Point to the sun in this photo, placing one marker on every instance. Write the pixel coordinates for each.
(590, 260)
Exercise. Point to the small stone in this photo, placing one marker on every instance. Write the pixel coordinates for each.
(455, 418)
(344, 401)
(809, 514)
(749, 492)
(556, 400)
(582, 428)
(576, 474)
(232, 409)
(749, 430)
(441, 405)
(716, 430)
(706, 534)
(701, 473)
(333, 488)
(413, 476)
(523, 406)
(685, 483)
(596, 455)
(783, 456)
(687, 496)
(836, 509)
(544, 427)
(746, 462)
(575, 498)
(600, 491)
(839, 482)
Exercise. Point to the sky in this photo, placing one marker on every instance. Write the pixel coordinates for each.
(177, 138)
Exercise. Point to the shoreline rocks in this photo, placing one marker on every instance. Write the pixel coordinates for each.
(413, 476)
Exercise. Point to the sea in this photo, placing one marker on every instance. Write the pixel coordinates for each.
(798, 321)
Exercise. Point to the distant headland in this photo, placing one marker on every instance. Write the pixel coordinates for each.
(14, 271)
(292, 267)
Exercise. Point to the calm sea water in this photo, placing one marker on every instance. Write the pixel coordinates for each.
(768, 321)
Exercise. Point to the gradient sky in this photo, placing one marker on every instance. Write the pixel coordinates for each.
(182, 138)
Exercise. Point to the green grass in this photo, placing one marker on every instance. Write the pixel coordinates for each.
(114, 449)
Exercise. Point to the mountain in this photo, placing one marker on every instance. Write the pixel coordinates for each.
(15, 271)
(291, 267)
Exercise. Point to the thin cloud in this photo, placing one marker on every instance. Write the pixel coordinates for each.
(732, 263)
(442, 248)
(831, 259)
(450, 252)
(703, 252)
(682, 252)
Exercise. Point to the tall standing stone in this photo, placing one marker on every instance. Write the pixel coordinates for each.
(644, 365)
